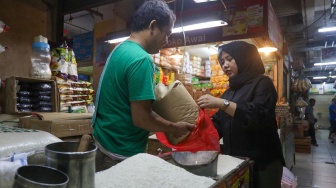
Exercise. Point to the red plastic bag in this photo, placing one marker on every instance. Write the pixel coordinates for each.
(203, 138)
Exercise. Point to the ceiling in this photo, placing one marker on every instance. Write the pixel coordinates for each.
(299, 20)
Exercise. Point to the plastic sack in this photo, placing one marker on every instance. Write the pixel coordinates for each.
(20, 140)
(174, 104)
(72, 67)
(288, 179)
(203, 138)
(7, 172)
(3, 27)
(2, 48)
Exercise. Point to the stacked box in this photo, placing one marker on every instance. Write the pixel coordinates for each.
(12, 88)
(298, 130)
(302, 145)
(301, 128)
(59, 124)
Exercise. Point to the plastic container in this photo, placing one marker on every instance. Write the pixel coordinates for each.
(40, 58)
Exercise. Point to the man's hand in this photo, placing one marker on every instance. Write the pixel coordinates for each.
(182, 128)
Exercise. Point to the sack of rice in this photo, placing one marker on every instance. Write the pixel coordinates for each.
(175, 104)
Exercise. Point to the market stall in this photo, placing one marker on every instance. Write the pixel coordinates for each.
(251, 21)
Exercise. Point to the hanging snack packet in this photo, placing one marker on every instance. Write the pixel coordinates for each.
(59, 64)
(72, 68)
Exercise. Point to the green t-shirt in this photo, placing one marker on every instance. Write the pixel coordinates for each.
(129, 76)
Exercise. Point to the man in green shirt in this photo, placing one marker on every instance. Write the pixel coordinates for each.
(124, 115)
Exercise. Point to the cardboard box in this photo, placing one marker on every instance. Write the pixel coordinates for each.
(11, 88)
(299, 132)
(58, 123)
(302, 145)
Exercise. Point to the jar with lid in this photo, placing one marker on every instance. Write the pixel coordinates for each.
(40, 59)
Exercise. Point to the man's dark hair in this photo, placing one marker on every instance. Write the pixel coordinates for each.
(312, 100)
(152, 10)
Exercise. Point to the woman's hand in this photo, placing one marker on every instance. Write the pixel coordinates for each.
(208, 101)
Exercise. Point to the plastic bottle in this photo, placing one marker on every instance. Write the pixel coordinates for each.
(91, 108)
(40, 59)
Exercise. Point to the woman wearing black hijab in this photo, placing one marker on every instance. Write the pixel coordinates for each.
(246, 116)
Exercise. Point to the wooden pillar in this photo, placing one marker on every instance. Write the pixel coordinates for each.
(100, 30)
(280, 77)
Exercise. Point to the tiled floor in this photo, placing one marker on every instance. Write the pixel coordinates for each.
(317, 169)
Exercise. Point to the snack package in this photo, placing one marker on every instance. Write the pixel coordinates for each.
(72, 68)
(59, 64)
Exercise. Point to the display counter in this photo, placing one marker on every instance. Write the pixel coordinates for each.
(145, 170)
(231, 171)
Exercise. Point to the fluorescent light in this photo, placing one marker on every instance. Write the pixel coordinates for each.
(192, 27)
(328, 63)
(203, 25)
(267, 49)
(327, 29)
(323, 77)
(319, 77)
(117, 40)
(202, 1)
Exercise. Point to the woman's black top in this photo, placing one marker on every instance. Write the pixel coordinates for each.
(252, 131)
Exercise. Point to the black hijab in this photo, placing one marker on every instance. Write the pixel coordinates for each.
(248, 62)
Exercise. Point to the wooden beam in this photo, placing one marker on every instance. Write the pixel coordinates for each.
(71, 6)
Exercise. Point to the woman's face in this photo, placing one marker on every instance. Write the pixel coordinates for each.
(228, 65)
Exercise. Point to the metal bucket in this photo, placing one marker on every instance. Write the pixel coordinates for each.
(202, 163)
(79, 166)
(35, 176)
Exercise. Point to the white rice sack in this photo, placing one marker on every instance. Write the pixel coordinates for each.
(7, 172)
(20, 140)
(146, 171)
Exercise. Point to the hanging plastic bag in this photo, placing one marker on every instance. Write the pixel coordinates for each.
(3, 48)
(203, 138)
(3, 27)
(288, 179)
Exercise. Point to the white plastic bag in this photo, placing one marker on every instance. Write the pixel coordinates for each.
(2, 48)
(3, 27)
(8, 169)
(288, 179)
